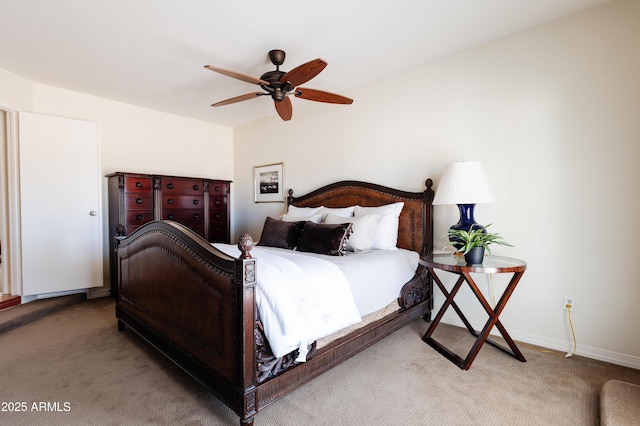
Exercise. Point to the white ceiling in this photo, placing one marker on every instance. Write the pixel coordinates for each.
(151, 53)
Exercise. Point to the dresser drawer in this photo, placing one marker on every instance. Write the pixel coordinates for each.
(218, 233)
(218, 188)
(138, 184)
(182, 201)
(182, 186)
(183, 216)
(193, 221)
(138, 201)
(217, 203)
(137, 217)
(218, 216)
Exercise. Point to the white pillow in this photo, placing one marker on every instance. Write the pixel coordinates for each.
(342, 211)
(387, 230)
(303, 211)
(316, 218)
(364, 230)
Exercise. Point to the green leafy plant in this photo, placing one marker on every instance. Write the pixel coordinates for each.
(464, 241)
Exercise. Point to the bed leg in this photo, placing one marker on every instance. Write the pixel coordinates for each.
(121, 326)
(246, 422)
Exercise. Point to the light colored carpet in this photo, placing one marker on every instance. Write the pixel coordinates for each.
(78, 364)
(20, 315)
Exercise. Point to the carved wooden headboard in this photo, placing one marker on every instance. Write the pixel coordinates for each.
(415, 230)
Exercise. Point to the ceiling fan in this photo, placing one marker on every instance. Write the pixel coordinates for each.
(280, 84)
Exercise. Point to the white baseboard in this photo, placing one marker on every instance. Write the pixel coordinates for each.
(92, 293)
(563, 346)
(582, 350)
(31, 298)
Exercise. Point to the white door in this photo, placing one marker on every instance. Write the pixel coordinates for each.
(59, 204)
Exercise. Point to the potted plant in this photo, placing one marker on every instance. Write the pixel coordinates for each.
(472, 243)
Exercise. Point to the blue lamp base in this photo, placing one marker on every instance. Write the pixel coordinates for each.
(466, 222)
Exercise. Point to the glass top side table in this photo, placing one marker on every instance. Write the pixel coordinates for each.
(457, 265)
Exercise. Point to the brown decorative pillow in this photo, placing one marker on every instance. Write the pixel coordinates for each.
(281, 234)
(324, 238)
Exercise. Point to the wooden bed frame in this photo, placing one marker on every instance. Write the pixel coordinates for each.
(197, 305)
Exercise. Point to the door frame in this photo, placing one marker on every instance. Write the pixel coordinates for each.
(10, 205)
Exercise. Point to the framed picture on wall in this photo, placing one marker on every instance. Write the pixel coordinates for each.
(268, 183)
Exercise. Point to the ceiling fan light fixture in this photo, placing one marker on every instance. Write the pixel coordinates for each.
(278, 94)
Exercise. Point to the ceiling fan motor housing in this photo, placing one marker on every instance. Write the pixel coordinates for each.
(276, 88)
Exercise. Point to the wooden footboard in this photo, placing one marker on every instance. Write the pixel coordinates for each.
(194, 303)
(197, 305)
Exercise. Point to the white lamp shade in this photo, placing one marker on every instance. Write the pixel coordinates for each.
(464, 183)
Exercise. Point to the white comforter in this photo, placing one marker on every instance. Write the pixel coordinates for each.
(300, 298)
(376, 277)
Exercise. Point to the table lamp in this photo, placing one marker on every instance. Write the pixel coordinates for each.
(465, 184)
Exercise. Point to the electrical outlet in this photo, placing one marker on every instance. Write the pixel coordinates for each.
(569, 300)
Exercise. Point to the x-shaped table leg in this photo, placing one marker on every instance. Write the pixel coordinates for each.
(491, 322)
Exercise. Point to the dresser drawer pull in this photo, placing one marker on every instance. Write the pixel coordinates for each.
(195, 187)
(170, 201)
(170, 185)
(217, 189)
(195, 202)
(218, 216)
(217, 202)
(139, 201)
(138, 217)
(196, 215)
(138, 184)
(170, 217)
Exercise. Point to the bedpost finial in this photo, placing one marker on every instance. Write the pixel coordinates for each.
(120, 230)
(290, 197)
(245, 244)
(429, 183)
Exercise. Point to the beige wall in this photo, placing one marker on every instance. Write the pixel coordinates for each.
(552, 113)
(143, 140)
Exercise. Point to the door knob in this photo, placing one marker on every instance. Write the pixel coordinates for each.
(92, 213)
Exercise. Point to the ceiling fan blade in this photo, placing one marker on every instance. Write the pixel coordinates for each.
(305, 72)
(238, 99)
(284, 108)
(237, 75)
(321, 96)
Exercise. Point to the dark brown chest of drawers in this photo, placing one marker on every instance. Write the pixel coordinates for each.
(135, 199)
